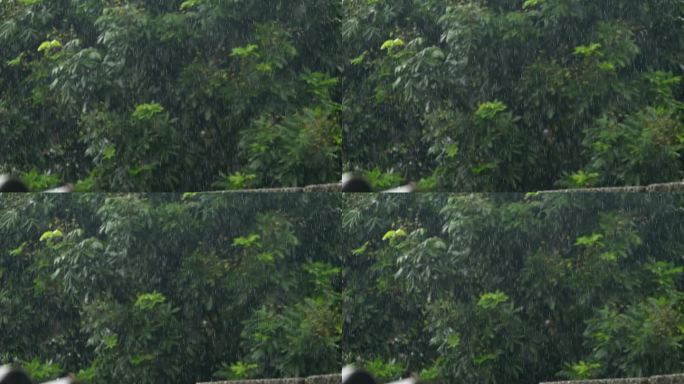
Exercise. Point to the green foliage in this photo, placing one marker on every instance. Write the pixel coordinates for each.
(189, 4)
(390, 45)
(147, 301)
(385, 371)
(587, 241)
(237, 371)
(492, 300)
(428, 85)
(382, 180)
(582, 179)
(237, 180)
(487, 111)
(643, 146)
(42, 370)
(532, 3)
(249, 241)
(87, 374)
(78, 80)
(580, 371)
(588, 50)
(48, 46)
(306, 139)
(647, 333)
(169, 288)
(473, 95)
(430, 374)
(507, 288)
(393, 234)
(147, 111)
(249, 50)
(49, 235)
(37, 181)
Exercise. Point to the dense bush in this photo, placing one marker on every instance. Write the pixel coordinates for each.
(515, 289)
(170, 96)
(170, 288)
(476, 95)
(491, 95)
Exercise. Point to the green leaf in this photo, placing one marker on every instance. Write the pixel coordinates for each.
(582, 179)
(482, 168)
(384, 370)
(42, 371)
(451, 150)
(393, 234)
(588, 50)
(40, 181)
(147, 111)
(454, 340)
(141, 359)
(481, 359)
(86, 185)
(49, 235)
(607, 66)
(265, 257)
(189, 195)
(246, 51)
(532, 3)
(189, 4)
(111, 341)
(608, 256)
(358, 60)
(48, 46)
(109, 151)
(492, 299)
(18, 251)
(588, 241)
(17, 60)
(489, 110)
(390, 44)
(247, 242)
(361, 250)
(584, 370)
(265, 67)
(241, 370)
(146, 301)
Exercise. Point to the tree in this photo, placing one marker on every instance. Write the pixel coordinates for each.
(514, 96)
(170, 288)
(181, 95)
(512, 288)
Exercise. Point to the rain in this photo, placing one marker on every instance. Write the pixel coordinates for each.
(341, 191)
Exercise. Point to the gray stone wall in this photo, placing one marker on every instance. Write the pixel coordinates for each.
(321, 379)
(337, 379)
(677, 186)
(334, 187)
(663, 379)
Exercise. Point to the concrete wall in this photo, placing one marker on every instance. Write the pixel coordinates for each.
(677, 186)
(337, 379)
(663, 379)
(322, 379)
(333, 187)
